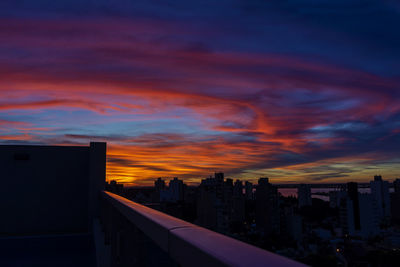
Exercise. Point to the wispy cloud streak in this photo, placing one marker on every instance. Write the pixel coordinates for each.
(229, 93)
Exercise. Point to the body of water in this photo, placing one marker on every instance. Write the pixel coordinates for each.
(319, 192)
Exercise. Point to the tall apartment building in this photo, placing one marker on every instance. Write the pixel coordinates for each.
(267, 207)
(249, 190)
(381, 197)
(304, 195)
(358, 213)
(215, 202)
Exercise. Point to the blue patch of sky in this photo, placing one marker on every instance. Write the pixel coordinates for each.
(343, 126)
(71, 121)
(324, 99)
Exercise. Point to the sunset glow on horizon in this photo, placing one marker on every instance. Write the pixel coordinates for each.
(299, 91)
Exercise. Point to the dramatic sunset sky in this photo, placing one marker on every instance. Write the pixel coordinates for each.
(296, 90)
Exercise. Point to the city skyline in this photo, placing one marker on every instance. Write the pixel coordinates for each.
(253, 180)
(299, 91)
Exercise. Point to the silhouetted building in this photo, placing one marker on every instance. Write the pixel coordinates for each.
(174, 193)
(396, 186)
(381, 197)
(335, 197)
(220, 203)
(115, 187)
(395, 202)
(226, 208)
(304, 195)
(176, 187)
(159, 186)
(209, 203)
(358, 215)
(206, 210)
(249, 190)
(267, 207)
(291, 224)
(219, 176)
(352, 192)
(347, 216)
(238, 188)
(49, 187)
(238, 203)
(49, 203)
(369, 220)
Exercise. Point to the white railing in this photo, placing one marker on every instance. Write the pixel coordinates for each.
(184, 243)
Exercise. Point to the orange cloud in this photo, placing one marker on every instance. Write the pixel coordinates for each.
(259, 111)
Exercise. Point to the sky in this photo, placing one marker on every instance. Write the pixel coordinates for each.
(294, 90)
